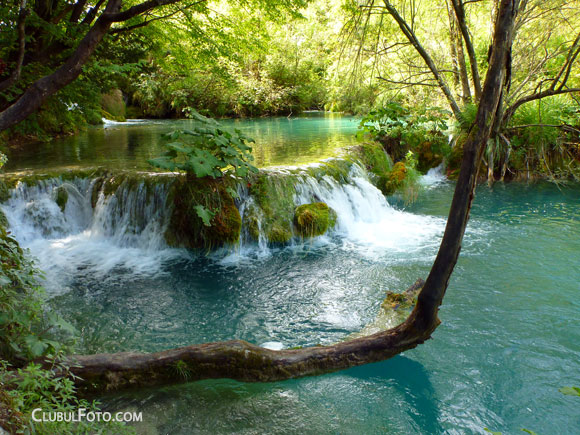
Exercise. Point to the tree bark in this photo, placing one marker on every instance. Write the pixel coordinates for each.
(39, 91)
(246, 362)
(458, 55)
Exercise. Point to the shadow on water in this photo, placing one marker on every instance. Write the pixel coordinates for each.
(411, 379)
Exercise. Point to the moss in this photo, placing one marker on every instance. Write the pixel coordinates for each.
(3, 221)
(253, 225)
(375, 159)
(186, 228)
(61, 197)
(311, 220)
(338, 169)
(113, 105)
(395, 179)
(274, 195)
(278, 234)
(4, 191)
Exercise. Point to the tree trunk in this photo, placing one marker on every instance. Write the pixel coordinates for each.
(246, 362)
(40, 90)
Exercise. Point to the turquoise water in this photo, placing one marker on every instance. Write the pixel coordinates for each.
(510, 335)
(279, 141)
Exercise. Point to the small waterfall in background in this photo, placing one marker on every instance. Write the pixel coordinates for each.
(122, 232)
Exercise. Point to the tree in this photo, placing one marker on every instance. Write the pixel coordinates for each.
(246, 362)
(545, 57)
(58, 37)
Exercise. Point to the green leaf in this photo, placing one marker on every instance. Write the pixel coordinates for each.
(204, 214)
(492, 432)
(179, 147)
(162, 163)
(531, 432)
(570, 391)
(35, 345)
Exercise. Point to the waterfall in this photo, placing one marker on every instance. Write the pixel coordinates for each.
(121, 230)
(95, 233)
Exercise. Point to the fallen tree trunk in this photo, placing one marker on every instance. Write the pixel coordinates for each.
(242, 361)
(246, 362)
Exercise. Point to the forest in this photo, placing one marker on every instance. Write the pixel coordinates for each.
(244, 216)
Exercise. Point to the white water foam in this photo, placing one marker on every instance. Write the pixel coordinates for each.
(124, 232)
(434, 177)
(111, 123)
(366, 221)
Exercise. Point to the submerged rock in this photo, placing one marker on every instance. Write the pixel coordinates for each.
(311, 220)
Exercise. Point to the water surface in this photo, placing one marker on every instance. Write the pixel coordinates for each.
(279, 141)
(509, 337)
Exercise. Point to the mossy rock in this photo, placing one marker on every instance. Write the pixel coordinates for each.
(279, 234)
(61, 197)
(311, 220)
(395, 179)
(274, 195)
(186, 229)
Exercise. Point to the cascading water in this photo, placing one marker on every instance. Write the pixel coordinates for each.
(92, 233)
(108, 235)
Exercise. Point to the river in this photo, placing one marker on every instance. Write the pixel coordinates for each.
(509, 337)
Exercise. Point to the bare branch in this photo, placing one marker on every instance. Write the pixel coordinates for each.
(460, 15)
(408, 32)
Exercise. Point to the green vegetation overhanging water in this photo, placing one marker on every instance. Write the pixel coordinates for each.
(121, 145)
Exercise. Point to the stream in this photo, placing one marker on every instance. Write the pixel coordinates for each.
(509, 337)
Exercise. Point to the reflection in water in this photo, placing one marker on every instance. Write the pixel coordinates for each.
(279, 141)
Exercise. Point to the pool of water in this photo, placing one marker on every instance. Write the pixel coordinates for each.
(279, 141)
(509, 336)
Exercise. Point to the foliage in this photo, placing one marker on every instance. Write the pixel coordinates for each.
(540, 145)
(402, 130)
(207, 151)
(33, 386)
(26, 330)
(29, 332)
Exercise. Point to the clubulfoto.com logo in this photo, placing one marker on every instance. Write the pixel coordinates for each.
(82, 414)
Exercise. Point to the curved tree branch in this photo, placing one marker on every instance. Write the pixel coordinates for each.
(43, 88)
